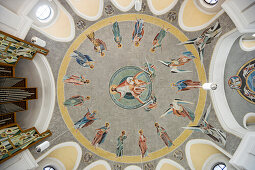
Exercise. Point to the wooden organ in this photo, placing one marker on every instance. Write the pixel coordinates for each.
(14, 96)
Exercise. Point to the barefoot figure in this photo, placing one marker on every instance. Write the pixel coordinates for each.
(205, 38)
(150, 69)
(116, 33)
(119, 150)
(138, 32)
(174, 63)
(163, 134)
(215, 134)
(101, 135)
(150, 104)
(99, 45)
(76, 80)
(157, 42)
(177, 109)
(142, 144)
(87, 120)
(75, 101)
(83, 60)
(184, 85)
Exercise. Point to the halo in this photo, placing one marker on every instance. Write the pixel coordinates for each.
(91, 66)
(119, 45)
(113, 86)
(137, 43)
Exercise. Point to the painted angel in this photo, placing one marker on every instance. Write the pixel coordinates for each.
(205, 38)
(99, 45)
(76, 80)
(184, 85)
(75, 101)
(87, 120)
(150, 104)
(150, 69)
(215, 134)
(175, 63)
(178, 109)
(83, 60)
(101, 135)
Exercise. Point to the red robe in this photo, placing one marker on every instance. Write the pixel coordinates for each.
(142, 145)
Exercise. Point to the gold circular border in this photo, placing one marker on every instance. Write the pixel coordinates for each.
(245, 82)
(64, 65)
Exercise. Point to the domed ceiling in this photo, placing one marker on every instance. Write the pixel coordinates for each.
(131, 86)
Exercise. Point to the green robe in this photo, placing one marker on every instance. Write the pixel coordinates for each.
(116, 32)
(119, 151)
(159, 37)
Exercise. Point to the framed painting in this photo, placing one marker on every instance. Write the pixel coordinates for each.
(14, 140)
(13, 48)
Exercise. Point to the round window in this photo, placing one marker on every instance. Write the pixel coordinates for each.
(211, 2)
(44, 13)
(48, 167)
(220, 166)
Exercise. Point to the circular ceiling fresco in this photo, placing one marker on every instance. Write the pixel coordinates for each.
(126, 89)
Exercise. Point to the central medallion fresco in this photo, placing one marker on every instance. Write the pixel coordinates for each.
(244, 81)
(130, 87)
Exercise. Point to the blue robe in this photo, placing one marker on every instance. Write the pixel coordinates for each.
(138, 29)
(82, 59)
(82, 122)
(181, 84)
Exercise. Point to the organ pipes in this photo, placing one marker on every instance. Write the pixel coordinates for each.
(11, 95)
(4, 70)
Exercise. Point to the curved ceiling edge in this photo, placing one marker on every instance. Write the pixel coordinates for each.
(123, 8)
(216, 75)
(196, 28)
(161, 12)
(87, 17)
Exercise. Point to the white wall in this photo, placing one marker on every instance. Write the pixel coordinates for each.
(242, 13)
